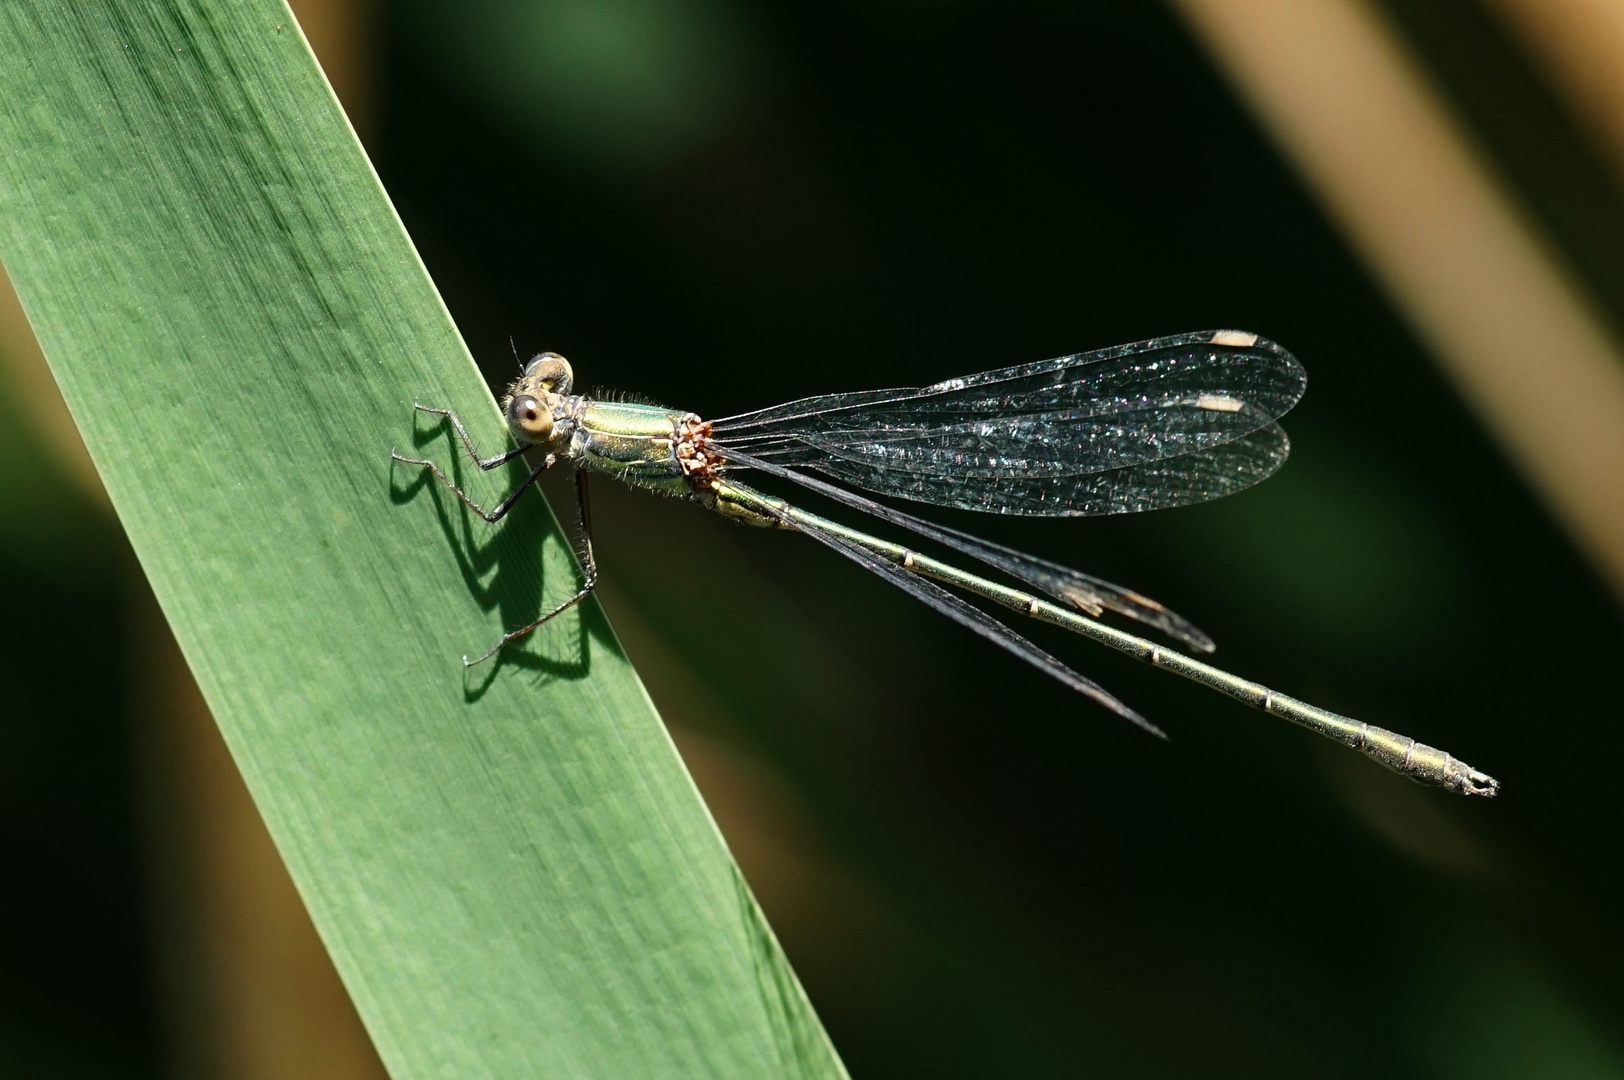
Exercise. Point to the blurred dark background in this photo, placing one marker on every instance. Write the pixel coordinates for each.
(723, 204)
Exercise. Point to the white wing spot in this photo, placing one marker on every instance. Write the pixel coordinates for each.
(1217, 404)
(1234, 337)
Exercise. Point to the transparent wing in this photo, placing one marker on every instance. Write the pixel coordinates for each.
(1155, 485)
(1075, 415)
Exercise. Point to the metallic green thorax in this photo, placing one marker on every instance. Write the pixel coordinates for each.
(644, 445)
(634, 443)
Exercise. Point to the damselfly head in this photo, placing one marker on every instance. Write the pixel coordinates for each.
(531, 400)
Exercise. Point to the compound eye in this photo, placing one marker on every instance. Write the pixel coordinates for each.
(530, 418)
(551, 371)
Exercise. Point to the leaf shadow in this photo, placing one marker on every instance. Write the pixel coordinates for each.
(502, 564)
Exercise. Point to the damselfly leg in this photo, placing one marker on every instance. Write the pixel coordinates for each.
(486, 464)
(589, 562)
(589, 577)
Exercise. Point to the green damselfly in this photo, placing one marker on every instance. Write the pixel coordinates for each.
(1167, 422)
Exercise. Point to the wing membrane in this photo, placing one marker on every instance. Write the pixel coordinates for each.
(1154, 485)
(1072, 416)
(1180, 481)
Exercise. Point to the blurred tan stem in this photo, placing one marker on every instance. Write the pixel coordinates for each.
(1579, 45)
(25, 378)
(341, 34)
(1508, 322)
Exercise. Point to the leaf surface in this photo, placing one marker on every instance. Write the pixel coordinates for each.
(511, 868)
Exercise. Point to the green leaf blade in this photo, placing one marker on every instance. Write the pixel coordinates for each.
(511, 867)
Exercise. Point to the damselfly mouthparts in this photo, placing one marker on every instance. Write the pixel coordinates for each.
(1160, 423)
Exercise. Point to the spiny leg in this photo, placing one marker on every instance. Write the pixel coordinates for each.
(468, 442)
(589, 575)
(484, 463)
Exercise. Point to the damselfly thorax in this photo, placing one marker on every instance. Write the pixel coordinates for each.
(646, 446)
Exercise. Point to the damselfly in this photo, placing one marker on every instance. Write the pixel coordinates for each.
(1160, 423)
